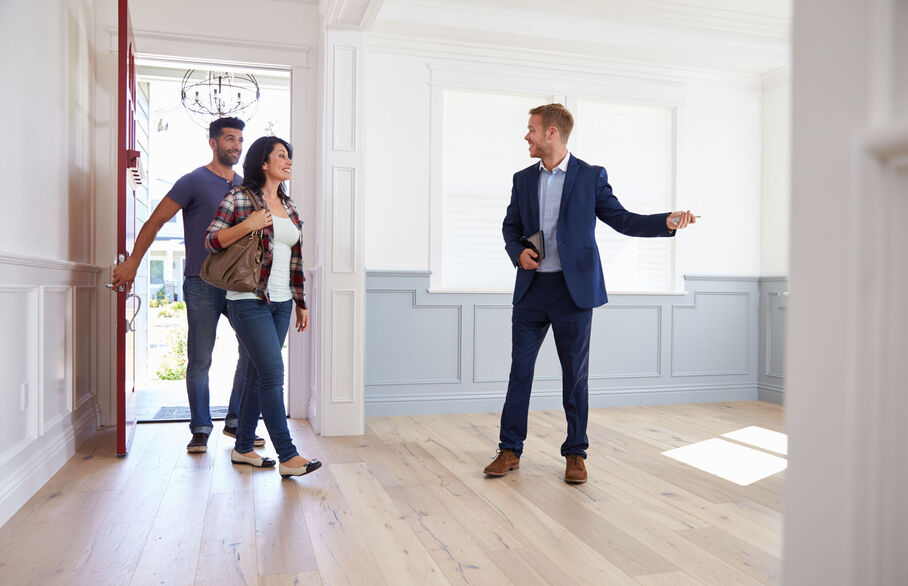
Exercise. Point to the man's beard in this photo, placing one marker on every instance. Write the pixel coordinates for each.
(225, 158)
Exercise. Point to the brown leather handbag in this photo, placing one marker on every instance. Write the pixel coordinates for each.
(239, 266)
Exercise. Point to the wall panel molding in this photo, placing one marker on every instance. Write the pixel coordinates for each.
(699, 343)
(55, 396)
(775, 334)
(345, 90)
(85, 345)
(602, 337)
(477, 353)
(774, 297)
(343, 339)
(635, 320)
(46, 345)
(424, 357)
(343, 256)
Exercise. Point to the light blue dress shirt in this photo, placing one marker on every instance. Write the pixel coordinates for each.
(550, 187)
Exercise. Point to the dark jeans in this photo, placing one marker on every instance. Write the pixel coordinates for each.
(204, 306)
(548, 302)
(261, 328)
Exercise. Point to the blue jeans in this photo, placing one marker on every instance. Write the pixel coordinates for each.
(262, 328)
(548, 302)
(204, 306)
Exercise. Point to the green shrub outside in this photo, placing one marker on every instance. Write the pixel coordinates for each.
(173, 366)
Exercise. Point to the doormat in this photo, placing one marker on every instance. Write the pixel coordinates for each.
(181, 413)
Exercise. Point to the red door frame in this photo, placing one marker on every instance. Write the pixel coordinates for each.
(126, 158)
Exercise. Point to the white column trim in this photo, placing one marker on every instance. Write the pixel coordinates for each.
(340, 301)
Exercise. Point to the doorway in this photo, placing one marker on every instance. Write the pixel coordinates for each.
(174, 142)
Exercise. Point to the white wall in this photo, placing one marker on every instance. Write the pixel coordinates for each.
(720, 178)
(48, 279)
(398, 159)
(776, 206)
(719, 133)
(273, 22)
(47, 101)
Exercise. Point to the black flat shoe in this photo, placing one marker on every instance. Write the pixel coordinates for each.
(287, 471)
(238, 458)
(258, 442)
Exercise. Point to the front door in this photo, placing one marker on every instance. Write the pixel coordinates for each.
(128, 304)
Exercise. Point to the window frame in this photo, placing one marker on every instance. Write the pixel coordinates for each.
(629, 88)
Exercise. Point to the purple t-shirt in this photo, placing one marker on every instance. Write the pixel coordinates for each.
(199, 193)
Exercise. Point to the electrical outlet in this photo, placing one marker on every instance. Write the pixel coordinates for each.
(23, 396)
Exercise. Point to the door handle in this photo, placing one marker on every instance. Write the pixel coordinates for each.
(120, 258)
(130, 325)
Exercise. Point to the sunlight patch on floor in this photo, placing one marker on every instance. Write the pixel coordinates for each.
(765, 439)
(731, 461)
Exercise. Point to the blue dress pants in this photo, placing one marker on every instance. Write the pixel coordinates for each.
(204, 306)
(548, 302)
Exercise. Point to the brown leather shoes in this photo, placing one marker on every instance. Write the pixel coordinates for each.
(575, 471)
(503, 463)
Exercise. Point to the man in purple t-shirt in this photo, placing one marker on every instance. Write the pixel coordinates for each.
(199, 194)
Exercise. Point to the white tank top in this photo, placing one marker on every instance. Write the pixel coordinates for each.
(286, 235)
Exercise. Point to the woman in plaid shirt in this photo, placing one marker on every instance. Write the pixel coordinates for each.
(261, 318)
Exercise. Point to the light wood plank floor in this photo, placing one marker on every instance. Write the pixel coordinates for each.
(407, 503)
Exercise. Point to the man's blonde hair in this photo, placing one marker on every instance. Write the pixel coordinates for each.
(555, 115)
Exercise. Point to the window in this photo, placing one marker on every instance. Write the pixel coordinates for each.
(636, 145)
(156, 270)
(482, 148)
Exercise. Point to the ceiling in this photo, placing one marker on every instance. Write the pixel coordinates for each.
(736, 35)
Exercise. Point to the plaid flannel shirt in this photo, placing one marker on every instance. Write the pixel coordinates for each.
(236, 207)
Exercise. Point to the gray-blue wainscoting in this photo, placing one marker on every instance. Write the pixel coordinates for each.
(722, 340)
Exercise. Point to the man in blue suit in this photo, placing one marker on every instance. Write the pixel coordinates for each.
(562, 196)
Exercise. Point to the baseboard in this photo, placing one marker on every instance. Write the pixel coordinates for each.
(771, 393)
(389, 405)
(40, 461)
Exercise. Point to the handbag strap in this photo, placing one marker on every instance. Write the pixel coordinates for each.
(255, 204)
(251, 196)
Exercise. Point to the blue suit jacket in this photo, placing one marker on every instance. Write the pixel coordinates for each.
(587, 195)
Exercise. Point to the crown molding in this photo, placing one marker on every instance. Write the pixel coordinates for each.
(718, 19)
(562, 61)
(772, 24)
(618, 38)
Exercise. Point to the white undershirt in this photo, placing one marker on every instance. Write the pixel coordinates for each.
(286, 234)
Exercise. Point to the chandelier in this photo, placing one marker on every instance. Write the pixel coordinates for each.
(209, 95)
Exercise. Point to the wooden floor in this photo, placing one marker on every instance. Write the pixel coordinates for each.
(407, 503)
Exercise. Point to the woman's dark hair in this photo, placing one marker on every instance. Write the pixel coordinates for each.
(256, 156)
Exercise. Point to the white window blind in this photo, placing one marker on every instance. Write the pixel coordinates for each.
(636, 145)
(482, 148)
